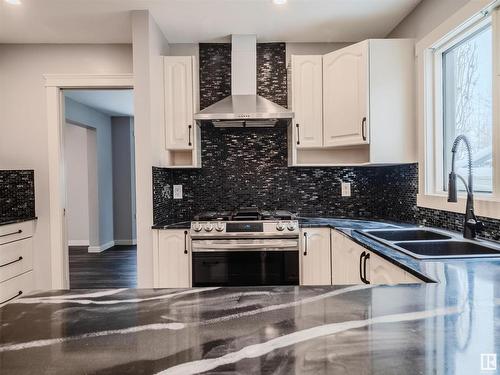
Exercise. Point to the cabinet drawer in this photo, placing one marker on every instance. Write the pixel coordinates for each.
(16, 258)
(17, 231)
(16, 287)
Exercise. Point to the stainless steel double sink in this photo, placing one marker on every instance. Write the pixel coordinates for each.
(424, 243)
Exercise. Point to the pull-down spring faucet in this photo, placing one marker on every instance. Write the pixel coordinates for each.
(471, 224)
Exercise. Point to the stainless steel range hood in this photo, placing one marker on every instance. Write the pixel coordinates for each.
(244, 108)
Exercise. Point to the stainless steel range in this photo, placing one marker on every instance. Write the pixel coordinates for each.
(245, 247)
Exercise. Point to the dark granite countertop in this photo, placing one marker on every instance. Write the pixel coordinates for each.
(433, 328)
(10, 220)
(179, 225)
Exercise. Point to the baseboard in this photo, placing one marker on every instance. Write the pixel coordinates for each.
(126, 242)
(100, 249)
(78, 243)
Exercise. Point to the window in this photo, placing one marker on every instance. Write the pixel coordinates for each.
(467, 98)
(459, 93)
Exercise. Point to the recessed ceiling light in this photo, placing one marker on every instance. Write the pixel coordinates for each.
(279, 2)
(13, 2)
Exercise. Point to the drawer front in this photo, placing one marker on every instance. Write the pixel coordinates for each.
(16, 287)
(14, 232)
(16, 258)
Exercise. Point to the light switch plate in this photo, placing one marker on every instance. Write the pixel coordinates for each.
(177, 191)
(346, 189)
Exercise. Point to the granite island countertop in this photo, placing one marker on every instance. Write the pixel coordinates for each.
(441, 327)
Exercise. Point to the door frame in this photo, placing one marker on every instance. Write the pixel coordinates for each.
(54, 84)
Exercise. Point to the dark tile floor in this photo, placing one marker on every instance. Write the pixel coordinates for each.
(113, 268)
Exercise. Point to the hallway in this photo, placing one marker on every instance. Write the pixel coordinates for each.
(113, 268)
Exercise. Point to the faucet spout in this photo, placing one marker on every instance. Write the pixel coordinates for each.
(471, 224)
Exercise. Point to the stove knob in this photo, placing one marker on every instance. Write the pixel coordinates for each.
(280, 226)
(209, 227)
(219, 227)
(197, 227)
(291, 226)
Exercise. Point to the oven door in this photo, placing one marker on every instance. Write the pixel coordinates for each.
(245, 262)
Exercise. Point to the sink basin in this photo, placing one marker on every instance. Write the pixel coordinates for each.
(407, 235)
(447, 249)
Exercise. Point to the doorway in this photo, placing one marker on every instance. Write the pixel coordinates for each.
(99, 170)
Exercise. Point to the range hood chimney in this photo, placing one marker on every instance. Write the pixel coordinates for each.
(244, 108)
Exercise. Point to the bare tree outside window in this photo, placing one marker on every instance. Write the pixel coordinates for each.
(467, 94)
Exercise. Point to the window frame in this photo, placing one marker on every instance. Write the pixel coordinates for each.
(469, 19)
(439, 123)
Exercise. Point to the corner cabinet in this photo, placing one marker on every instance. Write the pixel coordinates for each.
(181, 134)
(315, 256)
(172, 259)
(365, 114)
(353, 264)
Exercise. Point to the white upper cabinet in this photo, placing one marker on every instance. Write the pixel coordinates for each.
(307, 99)
(366, 107)
(179, 102)
(345, 96)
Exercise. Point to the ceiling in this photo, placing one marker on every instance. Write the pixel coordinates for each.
(110, 102)
(193, 21)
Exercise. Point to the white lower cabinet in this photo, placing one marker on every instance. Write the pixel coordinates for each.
(16, 260)
(352, 263)
(16, 287)
(174, 259)
(346, 263)
(315, 256)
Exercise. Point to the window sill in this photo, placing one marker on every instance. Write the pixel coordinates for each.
(484, 206)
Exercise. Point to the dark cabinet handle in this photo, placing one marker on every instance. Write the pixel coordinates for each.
(363, 128)
(305, 243)
(361, 266)
(189, 135)
(11, 262)
(10, 234)
(367, 256)
(11, 298)
(185, 242)
(298, 134)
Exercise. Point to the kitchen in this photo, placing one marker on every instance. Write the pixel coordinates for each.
(280, 189)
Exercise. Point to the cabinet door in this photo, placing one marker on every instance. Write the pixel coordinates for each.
(345, 96)
(174, 259)
(315, 257)
(384, 272)
(346, 256)
(307, 101)
(179, 103)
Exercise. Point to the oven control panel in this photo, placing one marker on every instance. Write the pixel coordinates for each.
(284, 227)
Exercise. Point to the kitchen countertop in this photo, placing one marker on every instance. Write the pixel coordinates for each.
(10, 220)
(441, 327)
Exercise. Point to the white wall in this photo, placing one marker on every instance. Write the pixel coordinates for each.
(123, 180)
(86, 116)
(149, 45)
(23, 122)
(77, 184)
(426, 17)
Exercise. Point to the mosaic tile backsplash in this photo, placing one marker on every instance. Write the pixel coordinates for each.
(248, 167)
(17, 195)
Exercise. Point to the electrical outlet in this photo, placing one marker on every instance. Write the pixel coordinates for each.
(177, 191)
(346, 189)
